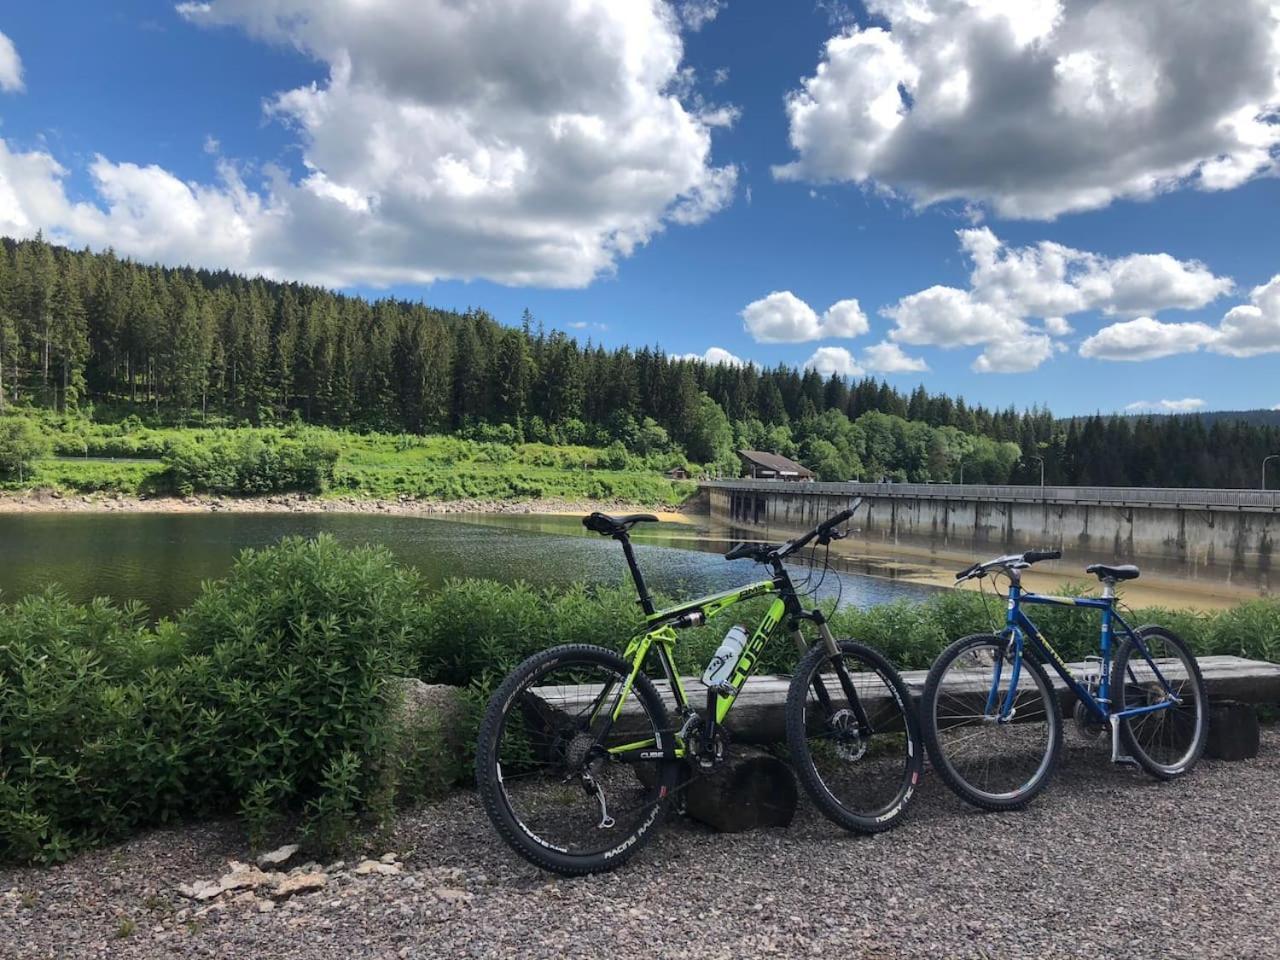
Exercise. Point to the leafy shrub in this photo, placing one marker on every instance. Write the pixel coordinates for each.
(21, 444)
(267, 697)
(251, 462)
(300, 640)
(91, 725)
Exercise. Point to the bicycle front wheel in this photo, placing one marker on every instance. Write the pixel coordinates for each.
(1167, 740)
(994, 737)
(854, 737)
(548, 765)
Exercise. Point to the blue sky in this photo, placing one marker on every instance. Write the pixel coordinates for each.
(1115, 173)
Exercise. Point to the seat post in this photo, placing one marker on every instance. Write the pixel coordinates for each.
(646, 601)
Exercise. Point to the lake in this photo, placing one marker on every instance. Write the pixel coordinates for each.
(162, 558)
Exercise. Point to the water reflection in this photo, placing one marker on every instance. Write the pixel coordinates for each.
(161, 559)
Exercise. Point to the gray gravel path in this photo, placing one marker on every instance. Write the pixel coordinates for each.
(1106, 863)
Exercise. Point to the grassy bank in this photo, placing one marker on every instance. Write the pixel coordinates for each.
(76, 455)
(271, 697)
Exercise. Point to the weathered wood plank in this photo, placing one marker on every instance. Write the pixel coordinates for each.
(759, 714)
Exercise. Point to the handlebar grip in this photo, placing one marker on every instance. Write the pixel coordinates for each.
(1035, 556)
(839, 518)
(968, 571)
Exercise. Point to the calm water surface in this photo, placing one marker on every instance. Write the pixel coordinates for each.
(161, 559)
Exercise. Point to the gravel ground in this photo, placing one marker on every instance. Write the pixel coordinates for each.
(1106, 863)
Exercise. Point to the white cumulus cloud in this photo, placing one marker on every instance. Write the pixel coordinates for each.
(837, 360)
(523, 141)
(1041, 107)
(1019, 298)
(1146, 339)
(885, 357)
(1253, 328)
(714, 356)
(696, 14)
(1018, 354)
(1247, 330)
(782, 317)
(1185, 405)
(10, 66)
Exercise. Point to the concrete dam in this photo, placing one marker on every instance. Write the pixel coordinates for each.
(1226, 536)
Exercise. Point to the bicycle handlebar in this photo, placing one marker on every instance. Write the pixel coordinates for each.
(825, 532)
(1012, 561)
(1035, 556)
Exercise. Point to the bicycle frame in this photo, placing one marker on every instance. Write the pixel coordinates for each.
(662, 637)
(1018, 626)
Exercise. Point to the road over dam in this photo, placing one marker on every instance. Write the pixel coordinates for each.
(1228, 536)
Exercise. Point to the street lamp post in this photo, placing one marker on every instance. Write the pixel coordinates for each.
(1265, 461)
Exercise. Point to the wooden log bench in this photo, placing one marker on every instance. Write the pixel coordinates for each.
(1236, 688)
(759, 714)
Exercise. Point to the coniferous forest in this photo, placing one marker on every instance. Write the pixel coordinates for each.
(95, 333)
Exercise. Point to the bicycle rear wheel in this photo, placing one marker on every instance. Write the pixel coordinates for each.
(860, 775)
(545, 771)
(1166, 742)
(992, 758)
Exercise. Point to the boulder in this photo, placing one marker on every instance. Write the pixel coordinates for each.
(300, 883)
(367, 867)
(1233, 731)
(437, 706)
(750, 790)
(278, 856)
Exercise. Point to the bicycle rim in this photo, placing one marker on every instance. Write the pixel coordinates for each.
(564, 789)
(1169, 739)
(861, 776)
(999, 755)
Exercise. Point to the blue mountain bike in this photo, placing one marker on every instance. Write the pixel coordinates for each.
(992, 719)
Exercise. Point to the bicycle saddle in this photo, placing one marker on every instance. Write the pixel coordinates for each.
(1125, 571)
(608, 526)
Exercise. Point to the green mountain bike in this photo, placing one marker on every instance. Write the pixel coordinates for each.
(579, 757)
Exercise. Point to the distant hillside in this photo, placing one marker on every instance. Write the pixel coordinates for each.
(81, 331)
(1257, 418)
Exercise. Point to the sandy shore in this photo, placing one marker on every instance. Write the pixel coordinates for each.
(44, 501)
(1153, 589)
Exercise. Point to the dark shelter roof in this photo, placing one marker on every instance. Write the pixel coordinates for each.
(774, 463)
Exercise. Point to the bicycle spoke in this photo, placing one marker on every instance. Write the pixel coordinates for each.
(854, 778)
(992, 757)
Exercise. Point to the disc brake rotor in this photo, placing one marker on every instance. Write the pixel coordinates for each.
(849, 743)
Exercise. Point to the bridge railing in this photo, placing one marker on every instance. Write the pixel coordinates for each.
(1178, 497)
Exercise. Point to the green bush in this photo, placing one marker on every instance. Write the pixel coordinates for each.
(300, 640)
(21, 444)
(268, 697)
(92, 718)
(251, 462)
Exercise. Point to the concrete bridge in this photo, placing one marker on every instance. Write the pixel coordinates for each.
(1220, 535)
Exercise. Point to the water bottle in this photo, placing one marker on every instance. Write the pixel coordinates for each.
(726, 657)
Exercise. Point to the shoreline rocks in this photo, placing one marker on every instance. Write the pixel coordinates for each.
(48, 501)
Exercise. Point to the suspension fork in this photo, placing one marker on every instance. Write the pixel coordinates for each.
(842, 674)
